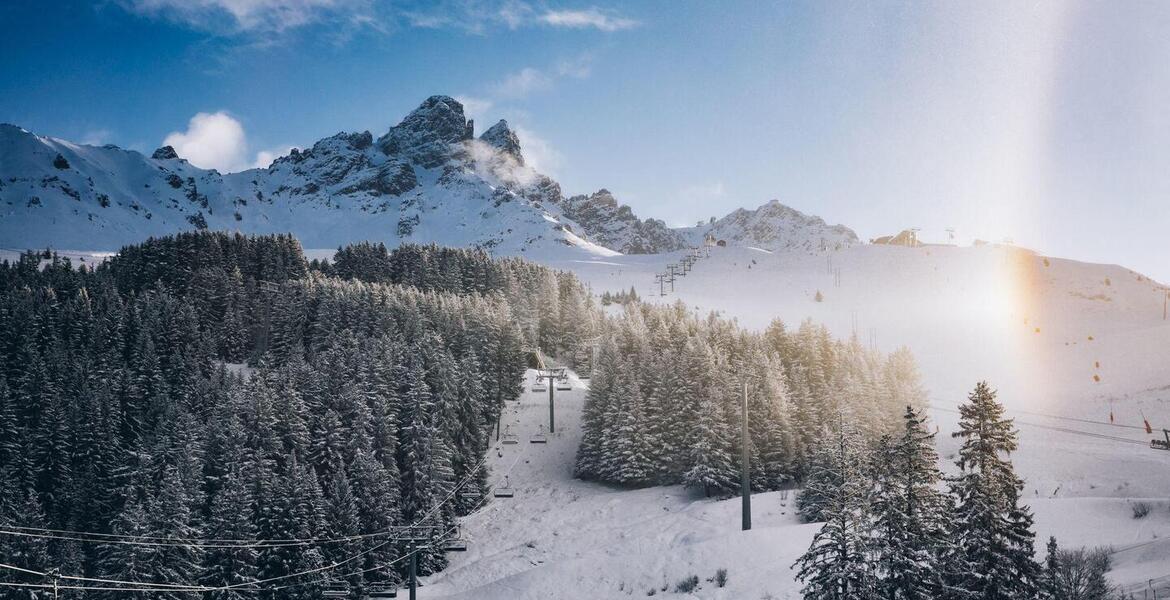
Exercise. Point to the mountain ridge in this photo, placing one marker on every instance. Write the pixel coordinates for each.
(426, 179)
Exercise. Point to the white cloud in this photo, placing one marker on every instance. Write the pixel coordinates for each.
(577, 68)
(227, 17)
(582, 19)
(475, 108)
(218, 141)
(212, 141)
(96, 137)
(522, 83)
(538, 153)
(514, 13)
(264, 158)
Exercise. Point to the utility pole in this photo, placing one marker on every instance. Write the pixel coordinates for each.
(551, 375)
(413, 571)
(745, 483)
(55, 574)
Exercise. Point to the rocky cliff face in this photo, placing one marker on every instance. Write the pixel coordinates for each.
(615, 226)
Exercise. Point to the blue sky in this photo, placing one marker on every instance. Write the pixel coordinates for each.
(1043, 122)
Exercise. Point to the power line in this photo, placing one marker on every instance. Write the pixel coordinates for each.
(201, 588)
(1062, 429)
(167, 587)
(84, 536)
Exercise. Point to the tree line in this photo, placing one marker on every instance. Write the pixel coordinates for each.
(664, 404)
(209, 386)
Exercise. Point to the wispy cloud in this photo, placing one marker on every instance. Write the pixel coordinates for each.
(260, 23)
(475, 107)
(233, 17)
(479, 17)
(529, 80)
(538, 152)
(584, 19)
(96, 137)
(522, 83)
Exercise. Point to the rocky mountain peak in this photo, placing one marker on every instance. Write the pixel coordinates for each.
(504, 139)
(165, 153)
(427, 133)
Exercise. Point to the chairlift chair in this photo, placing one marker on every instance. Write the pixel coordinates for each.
(456, 543)
(539, 386)
(504, 491)
(335, 593)
(563, 384)
(539, 437)
(378, 592)
(509, 437)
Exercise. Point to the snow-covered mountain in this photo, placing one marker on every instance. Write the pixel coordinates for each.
(774, 226)
(427, 179)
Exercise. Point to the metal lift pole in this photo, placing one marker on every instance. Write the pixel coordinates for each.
(745, 478)
(551, 386)
(413, 571)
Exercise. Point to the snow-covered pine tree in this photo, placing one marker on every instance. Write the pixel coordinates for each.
(594, 425)
(230, 519)
(910, 513)
(169, 516)
(837, 565)
(711, 462)
(821, 481)
(341, 520)
(992, 557)
(128, 562)
(22, 507)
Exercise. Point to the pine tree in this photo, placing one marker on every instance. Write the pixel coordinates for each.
(710, 455)
(992, 556)
(169, 516)
(910, 525)
(230, 519)
(837, 565)
(128, 562)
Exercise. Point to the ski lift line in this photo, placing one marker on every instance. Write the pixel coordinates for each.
(1136, 546)
(430, 544)
(171, 587)
(1089, 421)
(1061, 429)
(167, 587)
(110, 538)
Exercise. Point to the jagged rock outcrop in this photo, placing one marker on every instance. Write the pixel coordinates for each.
(615, 226)
(426, 134)
(165, 153)
(502, 138)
